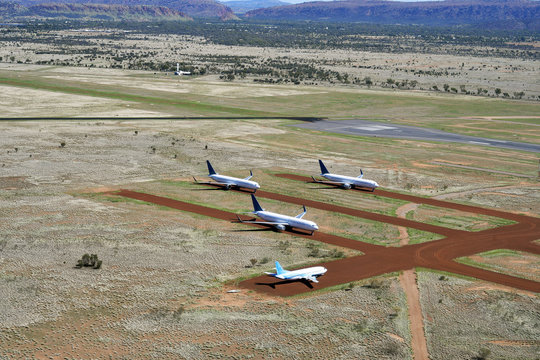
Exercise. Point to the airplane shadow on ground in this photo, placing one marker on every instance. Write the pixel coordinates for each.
(284, 282)
(326, 188)
(219, 187)
(337, 187)
(207, 189)
(246, 230)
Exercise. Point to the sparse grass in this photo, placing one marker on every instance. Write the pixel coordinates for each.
(419, 236)
(495, 260)
(445, 273)
(456, 220)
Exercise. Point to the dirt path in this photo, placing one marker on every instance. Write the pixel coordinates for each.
(408, 282)
(418, 339)
(401, 212)
(378, 260)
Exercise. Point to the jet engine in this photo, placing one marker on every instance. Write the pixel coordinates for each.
(346, 186)
(280, 227)
(227, 187)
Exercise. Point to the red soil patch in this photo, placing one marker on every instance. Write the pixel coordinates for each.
(378, 260)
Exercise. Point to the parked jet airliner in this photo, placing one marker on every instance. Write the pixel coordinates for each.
(346, 182)
(309, 274)
(228, 181)
(279, 221)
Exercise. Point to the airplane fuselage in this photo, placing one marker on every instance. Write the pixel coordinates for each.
(352, 181)
(303, 273)
(291, 221)
(232, 181)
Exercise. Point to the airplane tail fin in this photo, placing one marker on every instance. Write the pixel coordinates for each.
(301, 215)
(324, 170)
(250, 175)
(256, 206)
(211, 170)
(279, 269)
(361, 174)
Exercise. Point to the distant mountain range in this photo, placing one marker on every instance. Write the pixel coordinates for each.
(514, 13)
(498, 14)
(193, 8)
(243, 6)
(89, 11)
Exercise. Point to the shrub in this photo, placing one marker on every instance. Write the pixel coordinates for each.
(89, 261)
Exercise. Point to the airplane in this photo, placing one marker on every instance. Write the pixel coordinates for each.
(345, 182)
(228, 181)
(309, 274)
(279, 221)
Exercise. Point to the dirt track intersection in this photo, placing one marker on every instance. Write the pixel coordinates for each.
(379, 260)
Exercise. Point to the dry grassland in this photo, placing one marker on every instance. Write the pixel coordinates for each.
(162, 289)
(78, 48)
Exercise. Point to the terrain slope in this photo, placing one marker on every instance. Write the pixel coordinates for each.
(509, 14)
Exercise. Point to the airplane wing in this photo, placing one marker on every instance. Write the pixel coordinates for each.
(211, 182)
(305, 277)
(326, 182)
(261, 222)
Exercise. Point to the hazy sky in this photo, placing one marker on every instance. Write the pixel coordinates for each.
(301, 1)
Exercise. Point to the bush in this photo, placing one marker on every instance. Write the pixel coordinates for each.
(89, 261)
(375, 284)
(483, 354)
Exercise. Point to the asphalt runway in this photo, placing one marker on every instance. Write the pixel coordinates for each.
(379, 260)
(388, 130)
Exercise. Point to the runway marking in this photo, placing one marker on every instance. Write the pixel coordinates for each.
(374, 127)
(478, 142)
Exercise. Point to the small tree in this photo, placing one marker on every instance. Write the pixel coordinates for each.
(483, 354)
(89, 261)
(253, 262)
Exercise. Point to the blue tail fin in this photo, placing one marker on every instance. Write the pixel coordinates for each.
(324, 170)
(279, 269)
(256, 206)
(210, 168)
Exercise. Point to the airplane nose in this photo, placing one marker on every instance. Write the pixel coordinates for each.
(257, 186)
(315, 227)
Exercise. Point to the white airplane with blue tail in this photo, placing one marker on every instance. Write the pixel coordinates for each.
(280, 221)
(345, 182)
(228, 181)
(309, 274)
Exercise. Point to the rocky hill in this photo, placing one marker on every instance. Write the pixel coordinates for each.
(9, 8)
(194, 8)
(100, 11)
(519, 13)
(243, 6)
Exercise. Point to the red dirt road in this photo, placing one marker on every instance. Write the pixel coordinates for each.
(379, 260)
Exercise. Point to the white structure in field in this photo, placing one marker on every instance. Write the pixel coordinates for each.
(178, 72)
